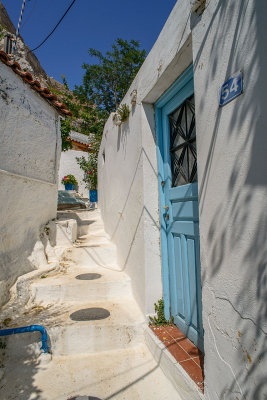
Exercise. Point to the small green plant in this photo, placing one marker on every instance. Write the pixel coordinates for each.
(43, 276)
(7, 321)
(124, 112)
(2, 344)
(160, 318)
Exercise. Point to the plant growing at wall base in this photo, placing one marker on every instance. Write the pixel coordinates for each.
(89, 168)
(123, 112)
(69, 180)
(160, 317)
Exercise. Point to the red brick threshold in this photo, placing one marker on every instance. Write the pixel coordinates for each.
(184, 351)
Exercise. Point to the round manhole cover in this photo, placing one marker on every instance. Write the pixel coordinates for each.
(88, 277)
(90, 314)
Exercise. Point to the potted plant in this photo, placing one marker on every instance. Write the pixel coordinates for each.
(90, 175)
(69, 181)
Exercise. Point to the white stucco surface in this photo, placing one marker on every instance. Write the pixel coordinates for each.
(128, 177)
(29, 154)
(231, 145)
(232, 177)
(68, 165)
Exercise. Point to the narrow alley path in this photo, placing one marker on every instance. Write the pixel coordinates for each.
(95, 328)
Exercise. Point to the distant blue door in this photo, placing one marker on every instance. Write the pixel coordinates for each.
(177, 160)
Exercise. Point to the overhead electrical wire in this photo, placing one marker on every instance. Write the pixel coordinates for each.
(48, 36)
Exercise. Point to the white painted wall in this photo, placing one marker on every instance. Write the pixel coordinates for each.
(128, 187)
(68, 165)
(29, 154)
(232, 148)
(231, 142)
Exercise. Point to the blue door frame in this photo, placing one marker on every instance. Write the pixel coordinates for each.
(188, 233)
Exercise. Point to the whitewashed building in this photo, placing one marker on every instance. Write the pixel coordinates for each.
(183, 186)
(68, 163)
(29, 158)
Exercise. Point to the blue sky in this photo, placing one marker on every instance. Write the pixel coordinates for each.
(89, 23)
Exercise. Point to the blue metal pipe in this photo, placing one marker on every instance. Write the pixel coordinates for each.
(31, 328)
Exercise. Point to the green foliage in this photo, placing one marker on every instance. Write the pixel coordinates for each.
(106, 82)
(69, 179)
(124, 112)
(89, 166)
(2, 32)
(86, 119)
(160, 318)
(104, 86)
(65, 131)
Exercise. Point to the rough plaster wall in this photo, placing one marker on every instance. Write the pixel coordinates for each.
(121, 197)
(232, 148)
(29, 154)
(128, 187)
(69, 165)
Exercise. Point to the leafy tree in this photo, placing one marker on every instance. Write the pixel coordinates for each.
(86, 119)
(104, 86)
(106, 82)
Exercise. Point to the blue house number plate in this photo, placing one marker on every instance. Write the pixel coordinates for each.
(232, 88)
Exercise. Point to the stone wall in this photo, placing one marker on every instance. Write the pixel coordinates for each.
(29, 156)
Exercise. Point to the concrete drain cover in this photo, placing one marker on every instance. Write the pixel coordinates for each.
(88, 277)
(90, 314)
(84, 398)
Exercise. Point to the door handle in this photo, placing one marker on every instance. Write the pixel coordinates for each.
(166, 208)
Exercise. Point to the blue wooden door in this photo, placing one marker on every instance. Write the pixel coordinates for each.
(179, 207)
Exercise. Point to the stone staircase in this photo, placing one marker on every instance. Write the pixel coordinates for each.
(95, 328)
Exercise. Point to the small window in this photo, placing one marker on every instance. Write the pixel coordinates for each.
(183, 144)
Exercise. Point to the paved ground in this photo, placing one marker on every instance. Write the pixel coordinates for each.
(95, 331)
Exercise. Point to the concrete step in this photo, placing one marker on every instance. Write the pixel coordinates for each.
(87, 221)
(94, 255)
(122, 326)
(130, 374)
(82, 285)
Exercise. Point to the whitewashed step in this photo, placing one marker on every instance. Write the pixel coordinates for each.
(130, 374)
(123, 328)
(82, 285)
(94, 256)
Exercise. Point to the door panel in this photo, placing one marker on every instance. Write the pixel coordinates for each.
(180, 219)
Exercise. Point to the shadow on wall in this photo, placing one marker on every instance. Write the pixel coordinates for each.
(143, 211)
(123, 132)
(236, 212)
